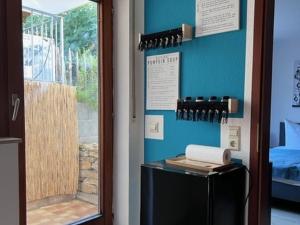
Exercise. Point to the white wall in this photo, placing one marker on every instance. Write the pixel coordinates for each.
(122, 103)
(286, 52)
(128, 101)
(245, 122)
(9, 175)
(137, 113)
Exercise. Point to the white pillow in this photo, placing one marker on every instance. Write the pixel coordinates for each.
(292, 134)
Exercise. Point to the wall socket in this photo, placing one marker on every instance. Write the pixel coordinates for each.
(234, 139)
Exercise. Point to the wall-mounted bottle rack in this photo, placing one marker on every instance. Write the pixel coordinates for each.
(166, 39)
(212, 109)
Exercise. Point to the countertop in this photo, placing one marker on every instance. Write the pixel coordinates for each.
(9, 140)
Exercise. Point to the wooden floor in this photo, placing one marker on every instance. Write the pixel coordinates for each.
(61, 214)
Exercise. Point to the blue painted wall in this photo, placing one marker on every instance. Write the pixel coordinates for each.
(212, 65)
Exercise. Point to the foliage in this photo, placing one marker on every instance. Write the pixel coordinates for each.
(80, 35)
(80, 28)
(80, 31)
(36, 21)
(87, 83)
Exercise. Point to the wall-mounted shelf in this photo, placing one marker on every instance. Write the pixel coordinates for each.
(166, 39)
(212, 110)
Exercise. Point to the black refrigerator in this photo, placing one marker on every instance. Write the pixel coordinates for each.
(177, 196)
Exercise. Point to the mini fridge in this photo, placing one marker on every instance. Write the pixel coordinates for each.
(177, 196)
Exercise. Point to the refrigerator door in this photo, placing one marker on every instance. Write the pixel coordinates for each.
(171, 198)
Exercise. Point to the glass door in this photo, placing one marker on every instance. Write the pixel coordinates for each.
(61, 105)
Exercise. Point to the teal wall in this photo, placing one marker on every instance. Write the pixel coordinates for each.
(211, 65)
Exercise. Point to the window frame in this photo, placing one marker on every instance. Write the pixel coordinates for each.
(13, 66)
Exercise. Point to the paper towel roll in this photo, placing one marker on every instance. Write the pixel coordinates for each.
(208, 154)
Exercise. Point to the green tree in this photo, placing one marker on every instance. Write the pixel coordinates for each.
(87, 82)
(80, 28)
(81, 35)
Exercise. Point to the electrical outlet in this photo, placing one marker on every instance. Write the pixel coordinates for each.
(234, 139)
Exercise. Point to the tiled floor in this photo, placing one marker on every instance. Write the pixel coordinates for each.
(61, 214)
(68, 212)
(283, 217)
(285, 212)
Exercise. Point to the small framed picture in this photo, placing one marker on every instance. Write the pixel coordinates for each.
(296, 88)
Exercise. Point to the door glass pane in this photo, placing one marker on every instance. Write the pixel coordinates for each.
(60, 50)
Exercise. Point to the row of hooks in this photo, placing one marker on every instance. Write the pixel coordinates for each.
(212, 109)
(165, 39)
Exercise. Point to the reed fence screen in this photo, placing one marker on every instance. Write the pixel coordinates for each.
(52, 145)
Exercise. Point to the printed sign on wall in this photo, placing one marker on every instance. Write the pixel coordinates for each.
(296, 96)
(163, 81)
(217, 16)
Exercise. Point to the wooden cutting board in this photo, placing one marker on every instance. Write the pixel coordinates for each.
(197, 165)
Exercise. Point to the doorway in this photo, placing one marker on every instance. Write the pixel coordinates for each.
(61, 99)
(60, 92)
(263, 164)
(285, 115)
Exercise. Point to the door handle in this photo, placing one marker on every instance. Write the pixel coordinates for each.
(15, 104)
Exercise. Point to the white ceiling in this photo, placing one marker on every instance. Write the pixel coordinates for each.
(287, 13)
(53, 6)
(287, 19)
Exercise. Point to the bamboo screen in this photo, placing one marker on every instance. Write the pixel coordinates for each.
(52, 151)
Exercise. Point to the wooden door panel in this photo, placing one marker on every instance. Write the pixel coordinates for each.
(15, 85)
(259, 204)
(12, 82)
(3, 77)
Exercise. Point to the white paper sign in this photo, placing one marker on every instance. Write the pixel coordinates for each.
(217, 16)
(163, 81)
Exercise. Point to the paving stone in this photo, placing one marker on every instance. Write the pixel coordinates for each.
(88, 188)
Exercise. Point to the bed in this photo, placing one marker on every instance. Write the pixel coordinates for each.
(285, 170)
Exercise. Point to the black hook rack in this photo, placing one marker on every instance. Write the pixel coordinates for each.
(212, 110)
(166, 39)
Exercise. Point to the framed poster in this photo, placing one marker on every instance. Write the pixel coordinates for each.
(213, 17)
(296, 88)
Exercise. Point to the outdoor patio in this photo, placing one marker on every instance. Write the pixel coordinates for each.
(61, 111)
(62, 213)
